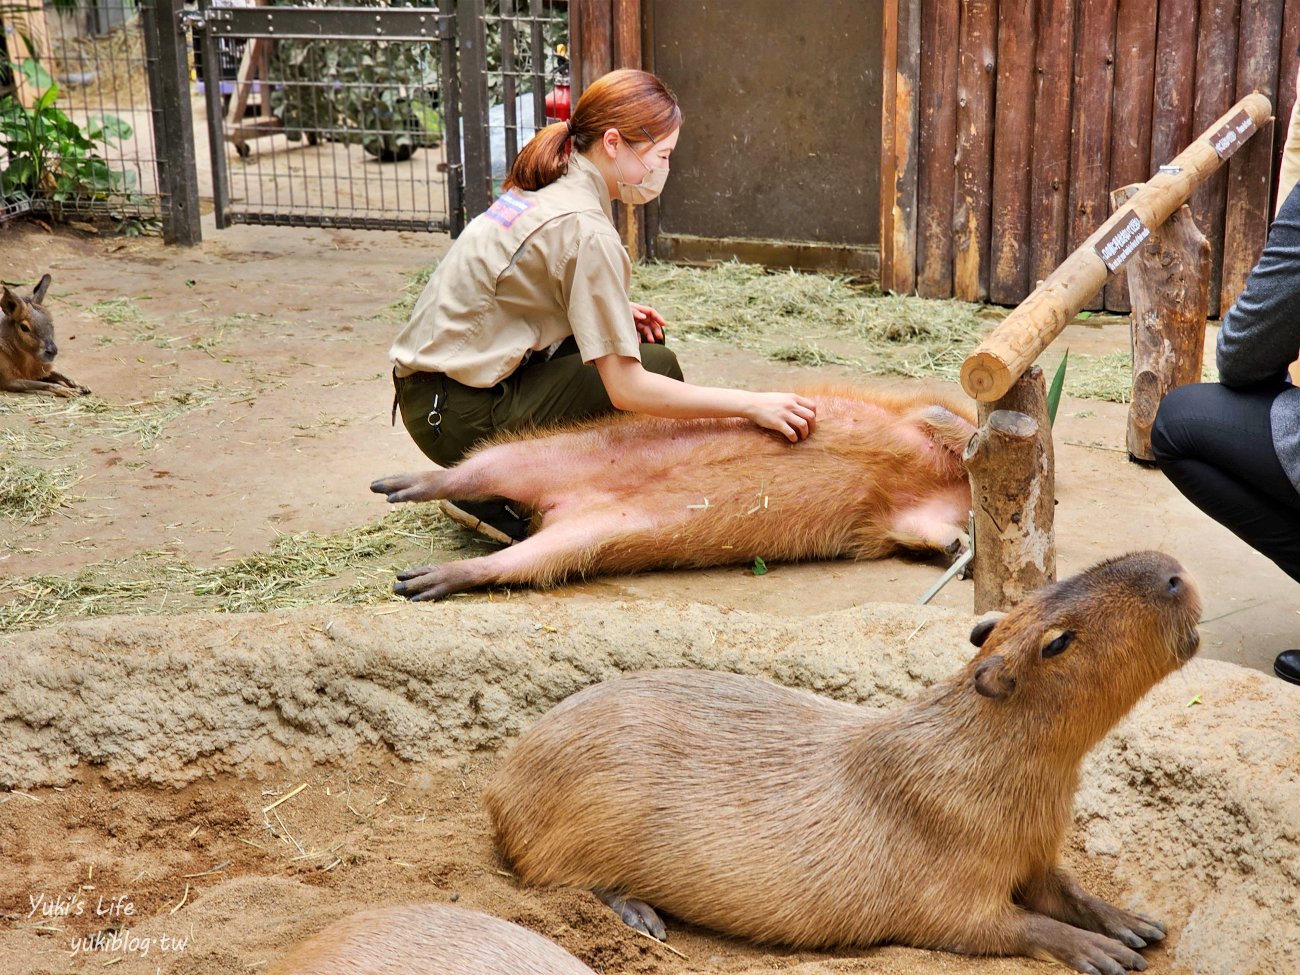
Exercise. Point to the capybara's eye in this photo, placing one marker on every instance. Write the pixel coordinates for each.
(23, 326)
(1175, 585)
(1059, 644)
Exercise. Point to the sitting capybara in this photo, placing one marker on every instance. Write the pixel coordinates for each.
(27, 346)
(427, 939)
(777, 815)
(882, 474)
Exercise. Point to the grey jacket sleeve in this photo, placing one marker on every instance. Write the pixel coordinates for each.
(1260, 336)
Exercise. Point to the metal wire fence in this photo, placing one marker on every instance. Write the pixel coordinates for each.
(363, 125)
(76, 133)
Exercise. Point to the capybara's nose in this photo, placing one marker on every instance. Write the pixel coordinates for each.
(51, 350)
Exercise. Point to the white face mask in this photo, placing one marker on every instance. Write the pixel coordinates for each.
(651, 185)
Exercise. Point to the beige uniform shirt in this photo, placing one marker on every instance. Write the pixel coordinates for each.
(1289, 174)
(532, 270)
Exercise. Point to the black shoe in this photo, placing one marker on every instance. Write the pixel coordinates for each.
(1287, 666)
(493, 519)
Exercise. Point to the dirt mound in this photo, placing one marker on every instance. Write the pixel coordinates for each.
(155, 762)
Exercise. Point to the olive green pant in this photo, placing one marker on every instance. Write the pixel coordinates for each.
(446, 418)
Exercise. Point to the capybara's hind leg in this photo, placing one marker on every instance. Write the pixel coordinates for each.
(562, 547)
(1058, 896)
(930, 527)
(1019, 932)
(425, 486)
(635, 914)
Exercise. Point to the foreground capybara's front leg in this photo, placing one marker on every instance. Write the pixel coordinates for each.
(58, 377)
(1058, 896)
(635, 914)
(425, 486)
(560, 548)
(1019, 932)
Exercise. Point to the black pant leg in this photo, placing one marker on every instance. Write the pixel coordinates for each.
(1215, 444)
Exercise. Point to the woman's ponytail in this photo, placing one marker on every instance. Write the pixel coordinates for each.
(635, 102)
(542, 161)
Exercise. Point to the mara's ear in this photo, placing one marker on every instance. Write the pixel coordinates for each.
(38, 293)
(981, 631)
(10, 303)
(992, 680)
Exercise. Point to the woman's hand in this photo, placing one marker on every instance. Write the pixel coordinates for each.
(649, 323)
(789, 414)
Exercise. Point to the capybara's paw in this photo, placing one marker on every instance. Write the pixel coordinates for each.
(83, 391)
(407, 487)
(67, 392)
(635, 914)
(432, 582)
(1097, 954)
(1134, 930)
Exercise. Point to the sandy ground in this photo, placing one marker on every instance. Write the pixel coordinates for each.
(151, 757)
(144, 751)
(276, 342)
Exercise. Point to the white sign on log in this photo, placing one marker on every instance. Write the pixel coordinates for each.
(1123, 241)
(1233, 135)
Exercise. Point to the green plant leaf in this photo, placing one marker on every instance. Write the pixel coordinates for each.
(1054, 393)
(760, 567)
(35, 75)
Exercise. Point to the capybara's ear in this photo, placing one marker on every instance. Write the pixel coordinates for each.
(9, 303)
(992, 679)
(981, 632)
(38, 293)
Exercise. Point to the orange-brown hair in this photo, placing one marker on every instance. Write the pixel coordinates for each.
(635, 102)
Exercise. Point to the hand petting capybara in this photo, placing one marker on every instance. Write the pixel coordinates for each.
(776, 815)
(427, 939)
(27, 346)
(881, 475)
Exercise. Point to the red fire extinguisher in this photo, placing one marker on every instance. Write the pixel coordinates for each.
(557, 101)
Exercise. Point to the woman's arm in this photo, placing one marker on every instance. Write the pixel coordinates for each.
(632, 388)
(1261, 331)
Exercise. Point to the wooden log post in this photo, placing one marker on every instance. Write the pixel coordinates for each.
(1013, 491)
(1012, 494)
(1169, 285)
(989, 371)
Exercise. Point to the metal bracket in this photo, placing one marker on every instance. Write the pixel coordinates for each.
(963, 560)
(327, 23)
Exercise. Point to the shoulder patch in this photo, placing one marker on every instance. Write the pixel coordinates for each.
(508, 208)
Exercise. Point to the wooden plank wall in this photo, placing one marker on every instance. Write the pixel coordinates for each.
(1048, 105)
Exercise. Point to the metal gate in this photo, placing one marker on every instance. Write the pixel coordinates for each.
(377, 117)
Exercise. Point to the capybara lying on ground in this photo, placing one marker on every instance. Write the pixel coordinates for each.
(776, 815)
(27, 346)
(427, 939)
(881, 475)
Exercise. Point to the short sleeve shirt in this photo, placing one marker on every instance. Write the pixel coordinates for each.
(532, 270)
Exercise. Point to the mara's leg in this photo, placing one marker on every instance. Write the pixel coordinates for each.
(559, 549)
(1017, 932)
(635, 914)
(58, 377)
(1058, 896)
(36, 386)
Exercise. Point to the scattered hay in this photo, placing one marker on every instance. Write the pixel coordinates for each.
(400, 310)
(117, 311)
(761, 311)
(354, 567)
(142, 420)
(28, 493)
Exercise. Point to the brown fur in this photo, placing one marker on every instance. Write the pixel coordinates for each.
(882, 474)
(27, 346)
(773, 814)
(427, 939)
